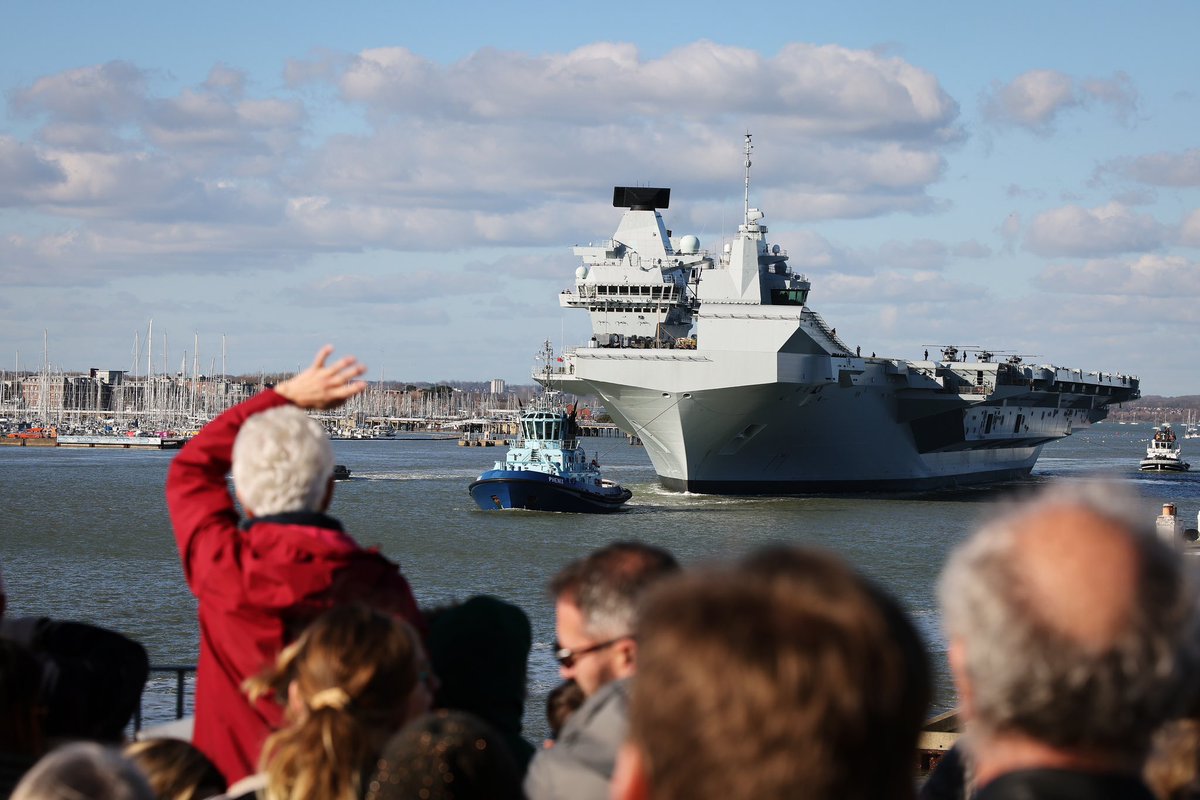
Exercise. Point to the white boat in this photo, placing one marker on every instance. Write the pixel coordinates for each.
(1191, 429)
(1163, 454)
(735, 385)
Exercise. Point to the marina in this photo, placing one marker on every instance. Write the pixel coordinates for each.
(87, 534)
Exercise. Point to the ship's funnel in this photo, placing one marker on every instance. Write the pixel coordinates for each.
(641, 198)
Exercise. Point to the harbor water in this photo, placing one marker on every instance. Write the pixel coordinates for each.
(86, 534)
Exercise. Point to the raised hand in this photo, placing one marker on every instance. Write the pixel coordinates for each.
(322, 386)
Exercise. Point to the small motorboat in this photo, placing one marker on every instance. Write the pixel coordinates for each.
(341, 472)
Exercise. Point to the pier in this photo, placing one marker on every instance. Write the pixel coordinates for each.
(106, 442)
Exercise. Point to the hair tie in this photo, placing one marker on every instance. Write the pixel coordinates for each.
(334, 697)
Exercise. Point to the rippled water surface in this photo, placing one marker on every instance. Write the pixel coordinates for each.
(86, 535)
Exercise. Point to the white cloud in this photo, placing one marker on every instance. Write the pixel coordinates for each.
(809, 252)
(23, 171)
(971, 249)
(1148, 276)
(473, 152)
(892, 287)
(226, 79)
(1189, 230)
(404, 288)
(822, 90)
(1030, 100)
(1035, 99)
(1161, 169)
(557, 267)
(1105, 230)
(111, 92)
(922, 254)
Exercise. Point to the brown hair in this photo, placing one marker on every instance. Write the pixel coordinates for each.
(789, 675)
(176, 769)
(562, 701)
(446, 755)
(354, 669)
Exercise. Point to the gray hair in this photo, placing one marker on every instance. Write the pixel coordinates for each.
(282, 461)
(1028, 676)
(608, 584)
(83, 770)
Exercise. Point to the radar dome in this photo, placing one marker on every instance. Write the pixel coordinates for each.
(581, 273)
(689, 245)
(775, 249)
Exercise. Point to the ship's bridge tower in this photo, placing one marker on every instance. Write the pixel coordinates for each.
(636, 285)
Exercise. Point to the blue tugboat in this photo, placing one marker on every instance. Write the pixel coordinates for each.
(547, 469)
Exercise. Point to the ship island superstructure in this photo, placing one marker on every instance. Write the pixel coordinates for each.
(734, 385)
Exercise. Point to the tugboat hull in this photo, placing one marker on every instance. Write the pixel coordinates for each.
(536, 491)
(1170, 466)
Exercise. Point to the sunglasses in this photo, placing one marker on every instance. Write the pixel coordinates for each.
(567, 657)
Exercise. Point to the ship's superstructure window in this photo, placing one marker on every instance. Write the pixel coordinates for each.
(789, 297)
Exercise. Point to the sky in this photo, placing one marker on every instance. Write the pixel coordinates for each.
(405, 181)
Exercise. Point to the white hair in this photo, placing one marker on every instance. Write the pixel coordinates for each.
(83, 770)
(282, 461)
(1029, 676)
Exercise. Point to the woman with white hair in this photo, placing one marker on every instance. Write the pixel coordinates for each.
(259, 581)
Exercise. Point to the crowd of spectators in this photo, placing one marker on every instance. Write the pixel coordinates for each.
(1072, 634)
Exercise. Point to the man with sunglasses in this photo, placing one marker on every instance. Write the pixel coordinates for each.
(595, 606)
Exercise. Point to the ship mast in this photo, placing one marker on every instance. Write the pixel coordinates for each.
(746, 200)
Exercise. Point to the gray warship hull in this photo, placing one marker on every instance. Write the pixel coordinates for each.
(863, 426)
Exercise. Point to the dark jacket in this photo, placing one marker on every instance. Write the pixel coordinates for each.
(479, 650)
(92, 678)
(1061, 784)
(258, 586)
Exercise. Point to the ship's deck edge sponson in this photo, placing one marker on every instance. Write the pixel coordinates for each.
(898, 485)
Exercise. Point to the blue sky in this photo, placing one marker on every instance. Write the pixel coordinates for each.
(406, 180)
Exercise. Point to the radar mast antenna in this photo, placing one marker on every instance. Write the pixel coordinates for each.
(746, 199)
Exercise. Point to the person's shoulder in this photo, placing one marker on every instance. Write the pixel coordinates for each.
(610, 700)
(607, 708)
(560, 773)
(587, 746)
(1062, 784)
(247, 788)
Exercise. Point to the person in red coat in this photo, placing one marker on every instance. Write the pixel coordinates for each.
(261, 580)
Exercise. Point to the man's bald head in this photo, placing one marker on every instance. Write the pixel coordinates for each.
(1071, 622)
(1080, 571)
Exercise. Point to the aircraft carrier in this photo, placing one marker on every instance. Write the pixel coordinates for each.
(735, 386)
